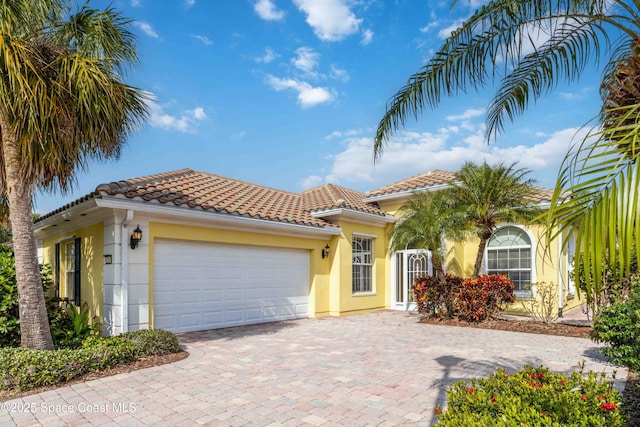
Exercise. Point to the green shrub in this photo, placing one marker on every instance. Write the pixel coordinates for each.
(74, 326)
(25, 369)
(619, 326)
(153, 342)
(483, 297)
(534, 397)
(434, 297)
(9, 314)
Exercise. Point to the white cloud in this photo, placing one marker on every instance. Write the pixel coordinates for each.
(146, 28)
(268, 11)
(308, 96)
(306, 59)
(268, 56)
(367, 37)
(339, 74)
(198, 113)
(410, 153)
(467, 114)
(186, 122)
(344, 134)
(446, 32)
(189, 3)
(136, 3)
(331, 20)
(429, 26)
(310, 182)
(238, 135)
(204, 39)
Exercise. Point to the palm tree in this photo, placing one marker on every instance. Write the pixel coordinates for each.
(425, 220)
(601, 174)
(62, 102)
(490, 195)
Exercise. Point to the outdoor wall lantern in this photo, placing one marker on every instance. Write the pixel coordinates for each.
(108, 259)
(325, 251)
(136, 237)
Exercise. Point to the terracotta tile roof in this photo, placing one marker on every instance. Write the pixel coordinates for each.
(542, 194)
(331, 196)
(210, 192)
(416, 182)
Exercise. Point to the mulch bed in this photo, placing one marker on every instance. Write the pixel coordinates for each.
(530, 327)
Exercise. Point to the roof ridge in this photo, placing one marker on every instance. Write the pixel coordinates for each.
(146, 179)
(250, 183)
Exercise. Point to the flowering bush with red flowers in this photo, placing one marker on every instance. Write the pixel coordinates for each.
(534, 397)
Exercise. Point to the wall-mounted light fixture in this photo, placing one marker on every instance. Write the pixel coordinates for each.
(108, 259)
(325, 251)
(136, 237)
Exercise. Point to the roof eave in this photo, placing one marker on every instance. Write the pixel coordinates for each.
(355, 216)
(222, 219)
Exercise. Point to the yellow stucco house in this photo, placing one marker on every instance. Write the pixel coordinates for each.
(188, 250)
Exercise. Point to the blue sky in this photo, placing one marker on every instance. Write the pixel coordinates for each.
(288, 93)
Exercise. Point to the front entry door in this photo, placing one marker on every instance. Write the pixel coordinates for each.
(409, 264)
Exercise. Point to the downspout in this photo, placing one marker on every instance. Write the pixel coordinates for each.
(124, 272)
(560, 277)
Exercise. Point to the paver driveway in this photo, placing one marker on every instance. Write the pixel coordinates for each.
(379, 368)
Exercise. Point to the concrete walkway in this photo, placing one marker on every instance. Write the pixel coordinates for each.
(378, 369)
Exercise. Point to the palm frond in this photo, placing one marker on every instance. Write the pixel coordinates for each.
(495, 34)
(597, 196)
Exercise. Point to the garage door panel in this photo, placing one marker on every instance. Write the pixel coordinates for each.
(201, 286)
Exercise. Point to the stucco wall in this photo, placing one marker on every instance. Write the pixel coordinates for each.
(91, 264)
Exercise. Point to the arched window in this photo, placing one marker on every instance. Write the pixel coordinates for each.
(509, 252)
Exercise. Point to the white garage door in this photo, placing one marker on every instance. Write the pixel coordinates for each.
(199, 286)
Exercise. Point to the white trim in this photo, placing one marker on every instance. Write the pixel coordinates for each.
(66, 214)
(560, 276)
(534, 253)
(124, 271)
(371, 265)
(354, 216)
(231, 221)
(367, 235)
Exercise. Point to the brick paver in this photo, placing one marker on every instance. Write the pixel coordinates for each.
(371, 369)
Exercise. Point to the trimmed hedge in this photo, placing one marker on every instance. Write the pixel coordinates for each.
(25, 369)
(534, 397)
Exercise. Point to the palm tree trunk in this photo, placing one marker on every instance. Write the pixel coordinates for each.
(481, 246)
(34, 324)
(436, 262)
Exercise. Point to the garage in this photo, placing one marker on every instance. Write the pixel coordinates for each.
(199, 285)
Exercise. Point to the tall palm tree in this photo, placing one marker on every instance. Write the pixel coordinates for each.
(600, 174)
(62, 102)
(490, 195)
(425, 220)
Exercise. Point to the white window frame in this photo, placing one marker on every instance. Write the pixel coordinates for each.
(532, 240)
(69, 273)
(364, 265)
